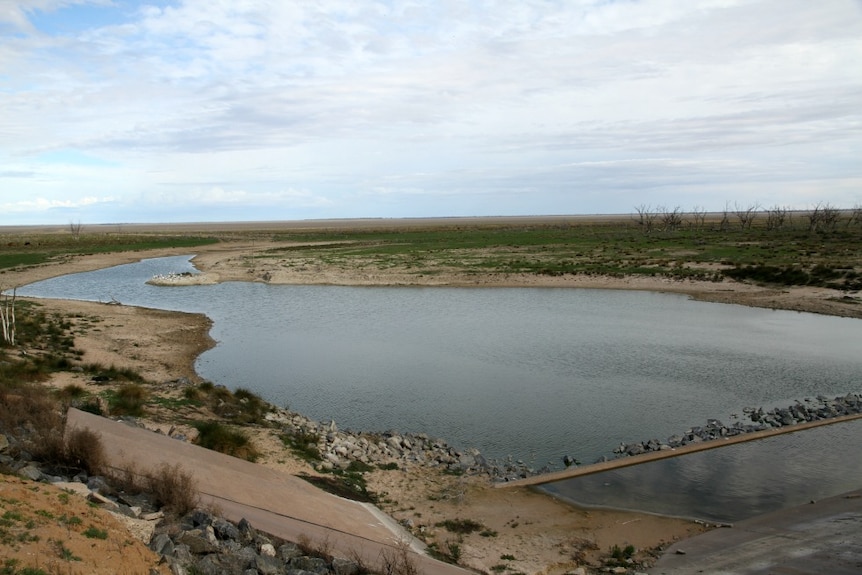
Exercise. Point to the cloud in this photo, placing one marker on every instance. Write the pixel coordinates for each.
(46, 204)
(205, 101)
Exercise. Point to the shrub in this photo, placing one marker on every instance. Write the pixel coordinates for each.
(460, 526)
(95, 533)
(303, 444)
(172, 488)
(128, 400)
(32, 414)
(84, 450)
(219, 437)
(398, 561)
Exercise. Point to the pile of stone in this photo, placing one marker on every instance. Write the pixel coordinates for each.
(207, 544)
(758, 419)
(339, 448)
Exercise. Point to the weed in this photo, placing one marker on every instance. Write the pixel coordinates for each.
(84, 450)
(129, 399)
(174, 489)
(72, 521)
(95, 533)
(303, 444)
(344, 484)
(460, 526)
(219, 437)
(64, 553)
(398, 561)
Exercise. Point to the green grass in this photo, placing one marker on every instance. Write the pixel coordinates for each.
(616, 248)
(219, 437)
(22, 250)
(460, 526)
(303, 445)
(95, 533)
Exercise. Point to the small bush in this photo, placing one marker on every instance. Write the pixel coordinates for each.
(95, 533)
(172, 488)
(303, 444)
(128, 400)
(101, 374)
(460, 526)
(398, 561)
(32, 408)
(71, 392)
(218, 437)
(84, 450)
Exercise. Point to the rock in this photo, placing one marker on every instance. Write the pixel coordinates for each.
(288, 551)
(162, 544)
(267, 565)
(225, 529)
(4, 443)
(267, 550)
(74, 487)
(344, 567)
(201, 517)
(210, 565)
(30, 472)
(312, 564)
(97, 483)
(197, 545)
(103, 501)
(247, 532)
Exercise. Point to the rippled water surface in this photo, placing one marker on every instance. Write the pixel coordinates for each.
(535, 373)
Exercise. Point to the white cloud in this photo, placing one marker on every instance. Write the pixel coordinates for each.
(225, 103)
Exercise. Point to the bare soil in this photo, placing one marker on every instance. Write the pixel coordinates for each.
(44, 527)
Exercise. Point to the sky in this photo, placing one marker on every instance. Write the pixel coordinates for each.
(115, 111)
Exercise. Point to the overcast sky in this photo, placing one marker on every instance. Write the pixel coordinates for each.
(216, 110)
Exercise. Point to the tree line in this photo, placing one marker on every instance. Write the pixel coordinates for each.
(821, 217)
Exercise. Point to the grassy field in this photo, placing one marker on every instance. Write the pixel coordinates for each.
(795, 251)
(790, 255)
(36, 248)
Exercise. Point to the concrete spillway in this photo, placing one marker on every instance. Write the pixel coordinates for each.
(621, 462)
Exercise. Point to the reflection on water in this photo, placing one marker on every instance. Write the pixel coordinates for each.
(535, 373)
(734, 482)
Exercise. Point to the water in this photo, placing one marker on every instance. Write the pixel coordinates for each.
(532, 373)
(732, 483)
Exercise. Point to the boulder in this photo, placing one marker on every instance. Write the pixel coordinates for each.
(30, 472)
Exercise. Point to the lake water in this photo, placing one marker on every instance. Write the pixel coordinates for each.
(529, 372)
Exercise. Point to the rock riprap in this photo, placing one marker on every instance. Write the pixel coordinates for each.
(754, 419)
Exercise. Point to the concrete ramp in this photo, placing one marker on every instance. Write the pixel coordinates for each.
(273, 502)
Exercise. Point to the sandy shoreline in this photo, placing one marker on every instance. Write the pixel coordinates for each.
(543, 535)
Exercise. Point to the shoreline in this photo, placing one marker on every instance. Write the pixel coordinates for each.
(541, 530)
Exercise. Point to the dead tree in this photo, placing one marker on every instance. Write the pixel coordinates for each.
(775, 217)
(855, 216)
(699, 215)
(645, 217)
(745, 215)
(671, 220)
(7, 318)
(823, 217)
(724, 225)
(76, 228)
